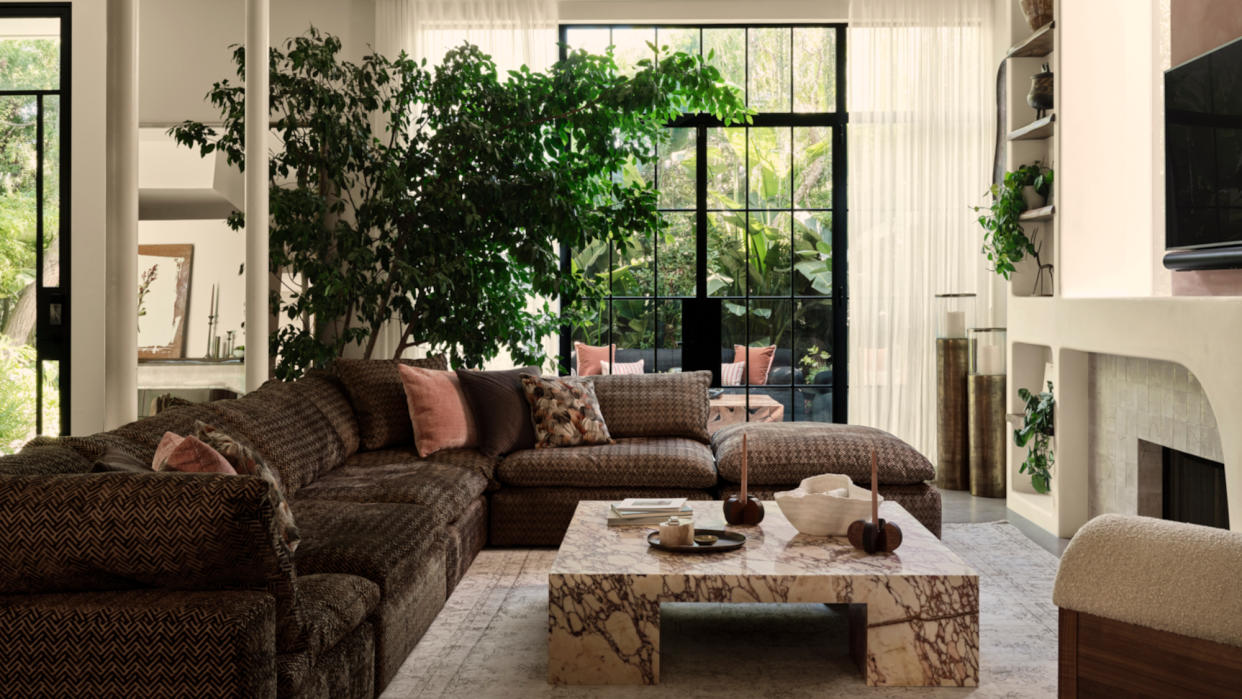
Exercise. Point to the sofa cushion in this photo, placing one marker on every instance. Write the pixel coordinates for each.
(292, 435)
(655, 405)
(400, 476)
(500, 409)
(398, 547)
(375, 391)
(783, 453)
(44, 459)
(540, 516)
(324, 389)
(332, 606)
(247, 462)
(654, 462)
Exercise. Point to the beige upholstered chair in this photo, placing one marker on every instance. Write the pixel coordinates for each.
(1150, 608)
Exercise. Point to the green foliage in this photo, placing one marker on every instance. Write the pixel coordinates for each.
(1004, 242)
(1037, 427)
(815, 362)
(17, 394)
(452, 217)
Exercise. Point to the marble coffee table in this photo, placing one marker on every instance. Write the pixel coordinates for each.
(914, 614)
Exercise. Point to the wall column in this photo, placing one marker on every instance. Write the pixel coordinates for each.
(257, 277)
(121, 326)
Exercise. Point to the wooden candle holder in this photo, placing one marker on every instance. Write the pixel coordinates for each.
(876, 536)
(743, 508)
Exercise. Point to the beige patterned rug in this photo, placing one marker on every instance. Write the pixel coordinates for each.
(491, 638)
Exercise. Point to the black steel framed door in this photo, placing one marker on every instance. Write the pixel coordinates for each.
(754, 252)
(34, 219)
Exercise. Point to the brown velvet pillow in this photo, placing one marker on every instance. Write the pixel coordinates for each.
(501, 412)
(375, 390)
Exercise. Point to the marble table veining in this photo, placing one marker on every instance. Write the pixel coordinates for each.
(914, 614)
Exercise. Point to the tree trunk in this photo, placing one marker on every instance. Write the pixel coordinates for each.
(21, 325)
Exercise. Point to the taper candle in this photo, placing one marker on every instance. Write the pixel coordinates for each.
(875, 490)
(744, 467)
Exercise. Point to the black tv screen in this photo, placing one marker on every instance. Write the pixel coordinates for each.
(1203, 150)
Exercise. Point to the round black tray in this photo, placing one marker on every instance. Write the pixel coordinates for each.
(725, 541)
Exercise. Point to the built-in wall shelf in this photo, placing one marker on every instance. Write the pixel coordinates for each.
(1036, 45)
(1034, 131)
(1043, 213)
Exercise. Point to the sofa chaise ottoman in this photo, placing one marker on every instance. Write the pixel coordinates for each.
(781, 454)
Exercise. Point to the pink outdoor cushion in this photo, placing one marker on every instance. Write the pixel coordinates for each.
(621, 367)
(589, 358)
(760, 361)
(439, 413)
(731, 374)
(189, 455)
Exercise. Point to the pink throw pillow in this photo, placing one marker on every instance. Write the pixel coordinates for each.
(759, 361)
(621, 367)
(189, 455)
(439, 413)
(589, 358)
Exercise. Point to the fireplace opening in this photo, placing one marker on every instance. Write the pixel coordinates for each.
(1194, 490)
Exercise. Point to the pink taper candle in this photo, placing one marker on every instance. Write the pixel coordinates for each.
(875, 490)
(743, 467)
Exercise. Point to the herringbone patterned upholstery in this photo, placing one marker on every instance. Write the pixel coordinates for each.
(398, 547)
(400, 476)
(655, 405)
(138, 643)
(140, 438)
(540, 516)
(375, 391)
(464, 538)
(44, 459)
(347, 671)
(176, 531)
(783, 453)
(922, 500)
(332, 606)
(637, 462)
(324, 389)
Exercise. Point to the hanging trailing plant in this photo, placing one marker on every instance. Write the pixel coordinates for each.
(1005, 243)
(1035, 433)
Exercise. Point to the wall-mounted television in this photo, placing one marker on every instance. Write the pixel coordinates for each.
(1203, 161)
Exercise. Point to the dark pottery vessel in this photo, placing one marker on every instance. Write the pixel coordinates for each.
(738, 511)
(1040, 96)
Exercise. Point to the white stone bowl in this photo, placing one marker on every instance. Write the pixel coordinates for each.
(825, 505)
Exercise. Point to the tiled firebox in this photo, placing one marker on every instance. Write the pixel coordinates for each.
(1136, 406)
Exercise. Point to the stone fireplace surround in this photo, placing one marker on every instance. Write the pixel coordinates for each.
(1136, 406)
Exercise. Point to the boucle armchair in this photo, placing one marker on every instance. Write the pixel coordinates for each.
(1150, 608)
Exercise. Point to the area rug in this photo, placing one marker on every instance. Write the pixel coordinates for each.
(491, 638)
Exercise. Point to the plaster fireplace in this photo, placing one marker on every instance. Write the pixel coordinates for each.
(1150, 422)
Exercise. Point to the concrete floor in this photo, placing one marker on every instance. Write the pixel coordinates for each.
(961, 506)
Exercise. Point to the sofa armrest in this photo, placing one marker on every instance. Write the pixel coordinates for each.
(1171, 576)
(114, 531)
(138, 643)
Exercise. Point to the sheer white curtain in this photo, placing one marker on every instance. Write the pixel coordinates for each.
(922, 124)
(513, 32)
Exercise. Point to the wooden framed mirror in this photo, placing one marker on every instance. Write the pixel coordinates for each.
(163, 297)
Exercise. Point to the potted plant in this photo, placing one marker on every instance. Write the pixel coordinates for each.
(1005, 243)
(1036, 435)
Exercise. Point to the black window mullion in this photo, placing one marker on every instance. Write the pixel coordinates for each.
(840, 239)
(39, 290)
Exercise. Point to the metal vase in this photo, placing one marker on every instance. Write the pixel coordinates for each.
(952, 363)
(987, 434)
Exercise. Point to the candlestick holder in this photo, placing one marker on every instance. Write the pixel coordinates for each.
(743, 508)
(876, 536)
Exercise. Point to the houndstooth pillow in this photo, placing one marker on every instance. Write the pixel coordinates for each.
(564, 411)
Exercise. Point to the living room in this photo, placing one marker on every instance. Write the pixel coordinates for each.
(602, 348)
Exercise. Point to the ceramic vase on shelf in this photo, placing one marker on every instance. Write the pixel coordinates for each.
(1040, 96)
(1037, 12)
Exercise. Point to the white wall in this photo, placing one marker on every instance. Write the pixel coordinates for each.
(184, 46)
(1109, 121)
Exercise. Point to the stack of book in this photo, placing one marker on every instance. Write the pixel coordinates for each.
(647, 511)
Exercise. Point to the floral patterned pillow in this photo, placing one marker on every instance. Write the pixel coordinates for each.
(564, 411)
(247, 462)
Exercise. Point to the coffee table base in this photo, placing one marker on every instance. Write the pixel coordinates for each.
(904, 631)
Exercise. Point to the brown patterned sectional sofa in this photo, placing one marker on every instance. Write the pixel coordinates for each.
(153, 584)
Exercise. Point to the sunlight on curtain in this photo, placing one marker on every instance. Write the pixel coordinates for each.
(513, 32)
(921, 101)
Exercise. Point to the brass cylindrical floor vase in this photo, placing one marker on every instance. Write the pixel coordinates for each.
(952, 465)
(988, 432)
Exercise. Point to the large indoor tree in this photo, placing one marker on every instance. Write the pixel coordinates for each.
(439, 197)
